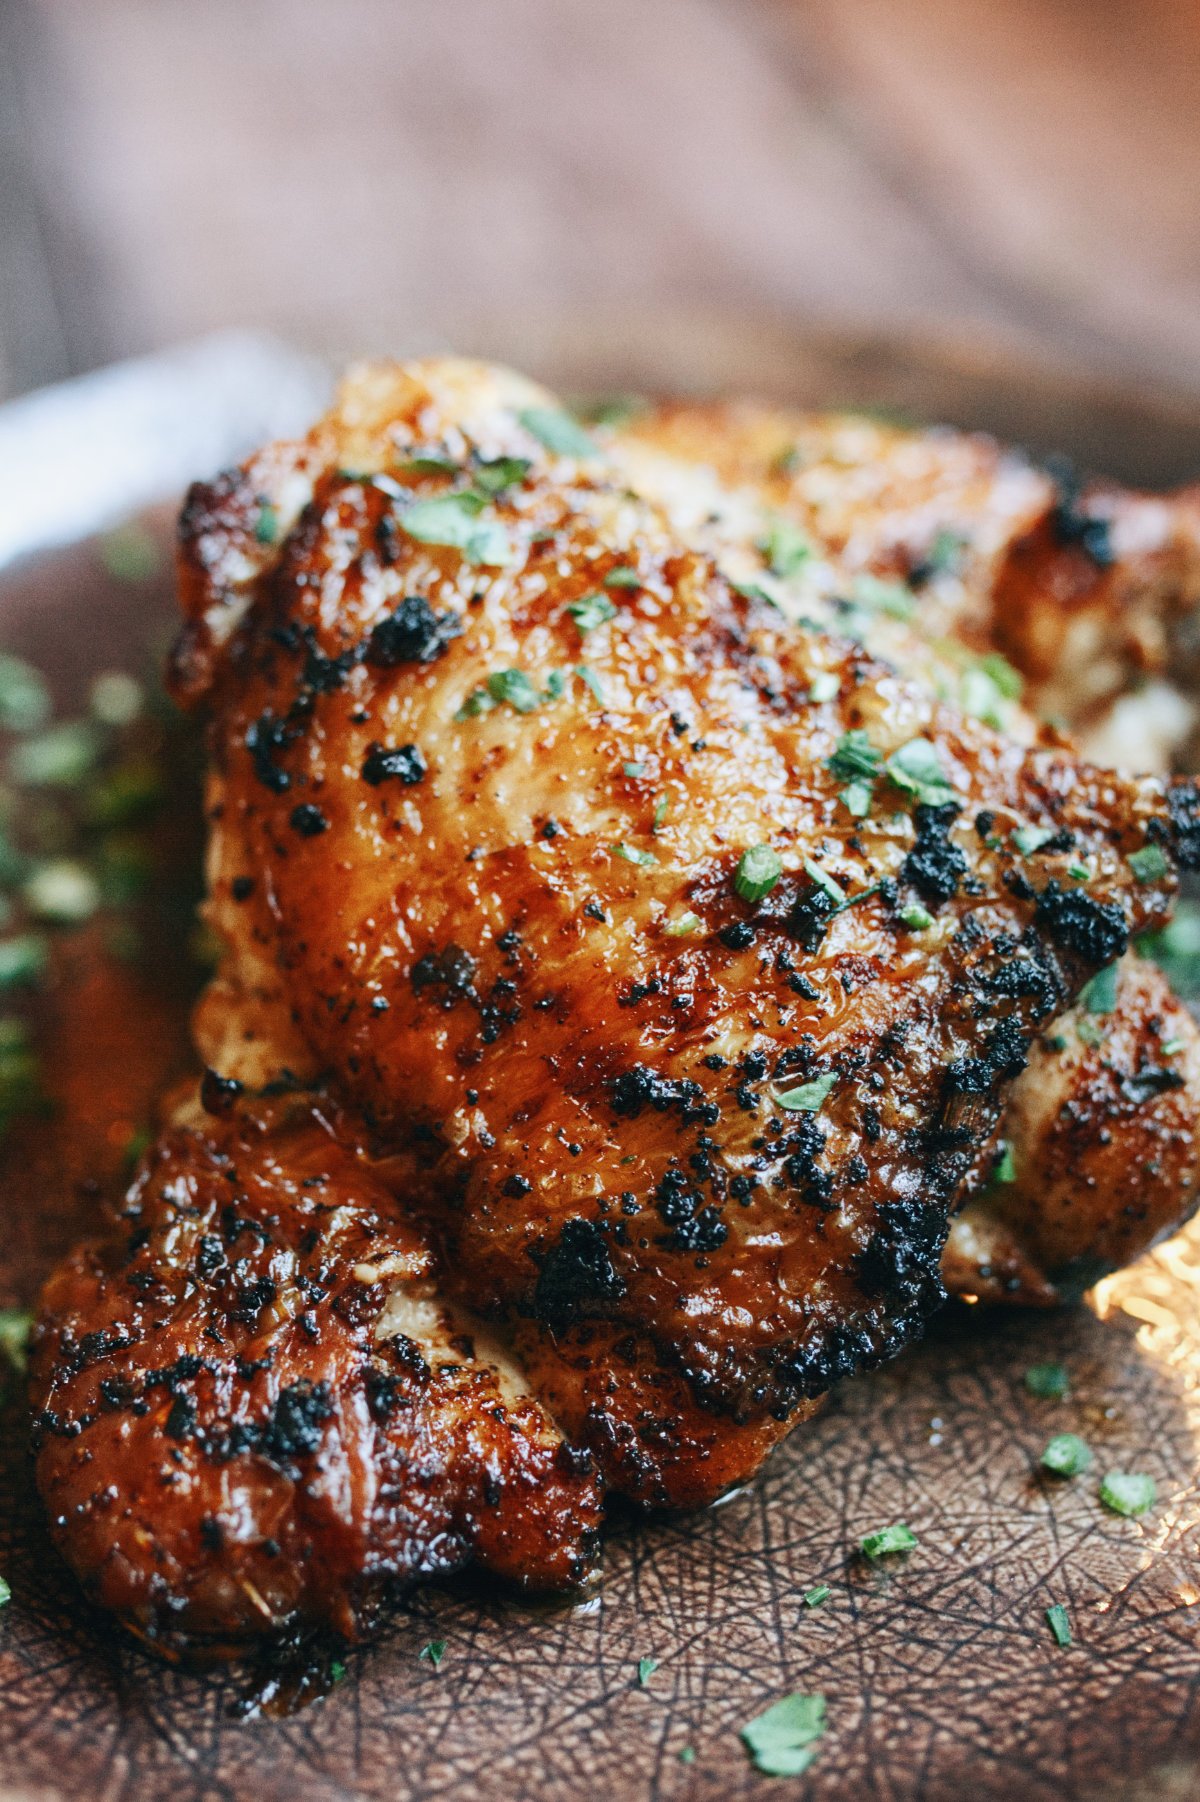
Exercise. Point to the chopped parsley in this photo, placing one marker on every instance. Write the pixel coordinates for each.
(945, 554)
(784, 547)
(1059, 1623)
(631, 854)
(646, 1670)
(660, 813)
(856, 797)
(557, 431)
(898, 1538)
(759, 869)
(433, 1653)
(622, 577)
(1066, 1455)
(1006, 1166)
(1088, 1033)
(1172, 1047)
(591, 681)
(592, 611)
(916, 769)
(781, 1741)
(1049, 1381)
(687, 1754)
(634, 770)
(266, 530)
(820, 1592)
(5, 1592)
(981, 698)
(499, 473)
(1008, 680)
(453, 520)
(825, 686)
(1029, 839)
(1149, 864)
(337, 1671)
(916, 918)
(810, 1097)
(1079, 872)
(514, 687)
(1128, 1492)
(1175, 948)
(854, 756)
(1099, 996)
(892, 598)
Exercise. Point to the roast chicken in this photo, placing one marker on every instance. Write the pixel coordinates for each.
(635, 925)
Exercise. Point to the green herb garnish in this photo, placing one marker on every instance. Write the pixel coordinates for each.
(759, 869)
(892, 598)
(1175, 948)
(558, 432)
(592, 611)
(1006, 1166)
(499, 473)
(1048, 1381)
(916, 769)
(685, 923)
(1079, 872)
(825, 686)
(631, 854)
(266, 529)
(453, 520)
(889, 1539)
(1029, 839)
(622, 577)
(1172, 1047)
(1149, 864)
(646, 1670)
(781, 1740)
(810, 1097)
(1059, 1623)
(823, 879)
(1128, 1492)
(1099, 995)
(433, 1653)
(591, 682)
(916, 918)
(854, 756)
(514, 687)
(1066, 1455)
(820, 1592)
(784, 547)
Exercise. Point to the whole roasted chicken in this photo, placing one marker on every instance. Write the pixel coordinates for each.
(641, 892)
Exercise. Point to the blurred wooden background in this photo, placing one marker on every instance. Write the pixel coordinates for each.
(399, 174)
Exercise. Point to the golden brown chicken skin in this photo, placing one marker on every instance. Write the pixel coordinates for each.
(491, 798)
(253, 1414)
(948, 555)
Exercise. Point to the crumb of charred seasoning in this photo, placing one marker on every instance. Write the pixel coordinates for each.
(242, 887)
(308, 820)
(576, 1273)
(413, 633)
(403, 763)
(219, 1094)
(1094, 930)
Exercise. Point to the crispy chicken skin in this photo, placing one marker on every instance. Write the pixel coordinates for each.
(255, 1415)
(476, 850)
(1094, 593)
(495, 713)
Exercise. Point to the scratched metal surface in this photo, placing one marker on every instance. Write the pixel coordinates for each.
(940, 1675)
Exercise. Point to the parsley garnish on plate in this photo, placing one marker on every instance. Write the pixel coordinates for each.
(646, 1670)
(1130, 1493)
(916, 918)
(886, 1540)
(854, 756)
(820, 1592)
(433, 1653)
(1059, 1623)
(453, 520)
(1029, 839)
(631, 854)
(781, 1741)
(1099, 996)
(825, 686)
(1048, 1381)
(1066, 1455)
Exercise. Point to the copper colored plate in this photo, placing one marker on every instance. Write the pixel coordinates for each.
(941, 1676)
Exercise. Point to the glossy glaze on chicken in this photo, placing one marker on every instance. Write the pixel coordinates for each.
(497, 712)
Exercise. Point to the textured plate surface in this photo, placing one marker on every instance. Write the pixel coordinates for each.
(940, 1674)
